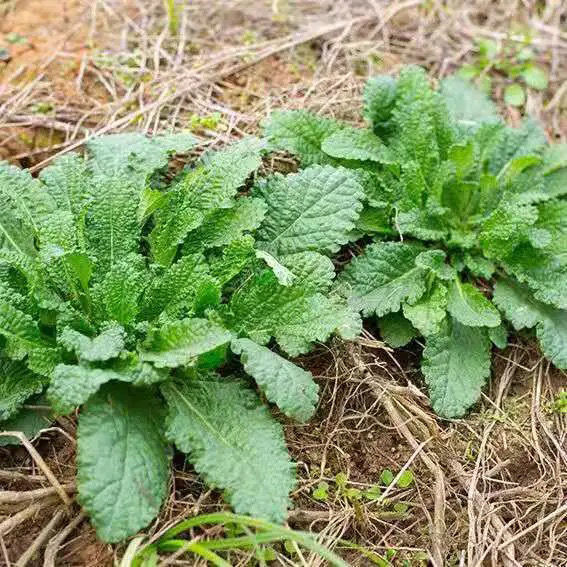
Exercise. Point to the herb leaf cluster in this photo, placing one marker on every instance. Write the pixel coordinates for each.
(465, 224)
(152, 304)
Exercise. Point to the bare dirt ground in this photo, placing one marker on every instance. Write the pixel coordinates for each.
(490, 489)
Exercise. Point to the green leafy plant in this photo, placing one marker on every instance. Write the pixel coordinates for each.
(465, 224)
(124, 292)
(512, 59)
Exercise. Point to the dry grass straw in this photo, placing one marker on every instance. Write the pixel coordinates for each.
(151, 81)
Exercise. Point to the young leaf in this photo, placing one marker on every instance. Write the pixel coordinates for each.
(233, 442)
(522, 310)
(552, 334)
(517, 304)
(545, 275)
(470, 307)
(356, 144)
(67, 180)
(213, 184)
(122, 461)
(72, 385)
(379, 98)
(119, 292)
(383, 277)
(175, 289)
(514, 95)
(468, 106)
(223, 226)
(505, 228)
(283, 274)
(535, 77)
(312, 210)
(150, 201)
(103, 347)
(181, 342)
(25, 203)
(428, 313)
(396, 330)
(456, 363)
(291, 388)
(296, 319)
(300, 133)
(17, 384)
(434, 260)
(19, 327)
(552, 217)
(137, 152)
(29, 421)
(499, 336)
(296, 315)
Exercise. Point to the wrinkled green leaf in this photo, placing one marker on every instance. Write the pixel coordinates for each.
(290, 387)
(233, 442)
(122, 461)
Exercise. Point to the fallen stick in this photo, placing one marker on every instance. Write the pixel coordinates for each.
(55, 542)
(40, 463)
(41, 538)
(16, 497)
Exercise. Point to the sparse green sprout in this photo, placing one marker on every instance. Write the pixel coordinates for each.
(400, 507)
(352, 494)
(172, 10)
(15, 38)
(265, 553)
(535, 77)
(514, 95)
(209, 122)
(290, 547)
(406, 479)
(321, 492)
(373, 493)
(513, 60)
(559, 404)
(42, 108)
(254, 534)
(341, 480)
(249, 37)
(387, 477)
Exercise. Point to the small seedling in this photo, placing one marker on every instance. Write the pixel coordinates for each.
(400, 507)
(42, 108)
(265, 553)
(513, 61)
(387, 477)
(373, 493)
(350, 493)
(559, 404)
(172, 16)
(15, 38)
(341, 480)
(321, 492)
(209, 122)
(406, 479)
